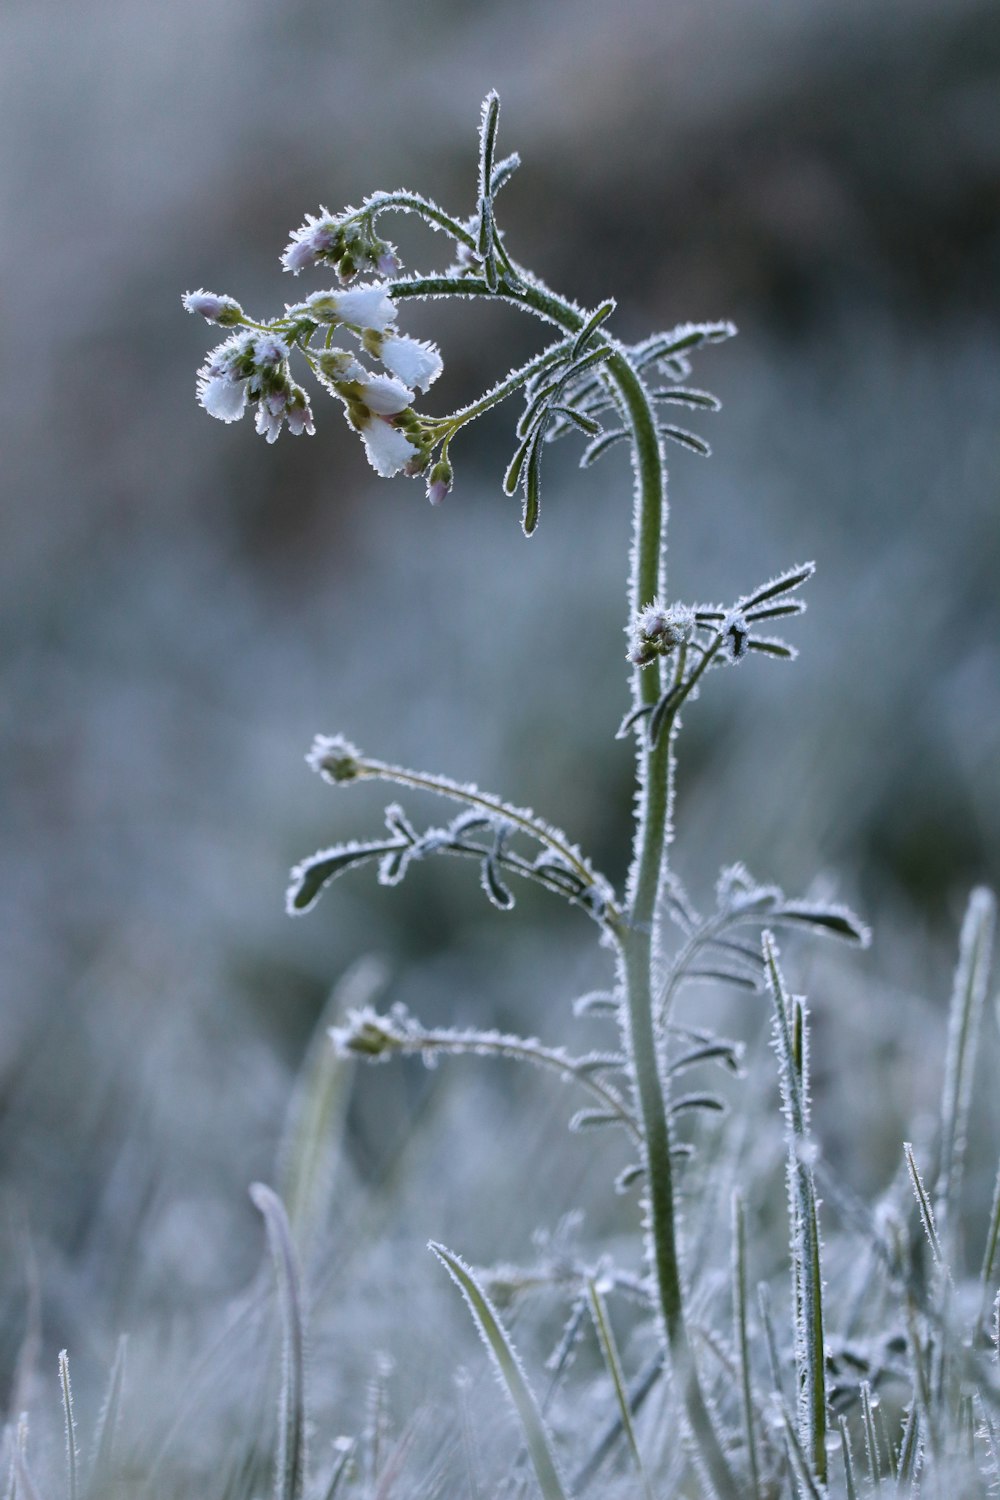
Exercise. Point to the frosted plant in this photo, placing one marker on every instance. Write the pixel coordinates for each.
(587, 383)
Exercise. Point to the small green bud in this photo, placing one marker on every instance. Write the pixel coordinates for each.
(335, 758)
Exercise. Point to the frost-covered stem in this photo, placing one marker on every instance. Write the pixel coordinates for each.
(636, 932)
(639, 941)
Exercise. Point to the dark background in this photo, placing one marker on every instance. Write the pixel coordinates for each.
(183, 606)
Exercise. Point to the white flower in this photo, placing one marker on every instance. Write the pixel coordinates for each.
(413, 361)
(367, 307)
(384, 396)
(289, 405)
(222, 379)
(388, 449)
(269, 415)
(269, 351)
(222, 397)
(298, 413)
(310, 241)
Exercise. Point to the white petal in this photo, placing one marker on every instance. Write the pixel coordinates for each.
(223, 398)
(414, 362)
(388, 449)
(367, 306)
(384, 396)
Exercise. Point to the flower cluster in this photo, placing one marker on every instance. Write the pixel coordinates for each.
(252, 367)
(345, 241)
(658, 631)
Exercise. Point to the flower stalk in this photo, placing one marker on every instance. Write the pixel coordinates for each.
(582, 380)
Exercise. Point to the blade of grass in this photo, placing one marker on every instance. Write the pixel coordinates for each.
(742, 1339)
(872, 1453)
(791, 1042)
(609, 1349)
(969, 992)
(291, 1462)
(509, 1369)
(924, 1206)
(318, 1108)
(72, 1452)
(107, 1427)
(850, 1483)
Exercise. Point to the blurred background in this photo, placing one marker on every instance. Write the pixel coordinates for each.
(183, 606)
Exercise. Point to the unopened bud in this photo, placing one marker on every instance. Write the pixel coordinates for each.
(335, 758)
(439, 481)
(214, 309)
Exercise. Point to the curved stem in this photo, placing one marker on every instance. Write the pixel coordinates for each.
(413, 203)
(639, 942)
(525, 1050)
(637, 933)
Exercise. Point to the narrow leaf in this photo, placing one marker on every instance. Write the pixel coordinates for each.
(609, 1350)
(924, 1205)
(592, 324)
(290, 1469)
(309, 878)
(850, 1483)
(689, 440)
(663, 713)
(784, 584)
(683, 395)
(766, 646)
(532, 486)
(591, 1119)
(969, 993)
(628, 1176)
(72, 1452)
(839, 921)
(509, 1369)
(512, 477)
(688, 1102)
(500, 894)
(743, 1340)
(579, 419)
(872, 1453)
(107, 1427)
(503, 172)
(600, 445)
(316, 1114)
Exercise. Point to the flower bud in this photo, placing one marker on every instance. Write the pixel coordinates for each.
(335, 758)
(439, 481)
(213, 308)
(735, 636)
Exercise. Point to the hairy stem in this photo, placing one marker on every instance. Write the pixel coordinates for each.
(637, 932)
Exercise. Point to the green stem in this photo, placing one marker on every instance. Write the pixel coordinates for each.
(637, 933)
